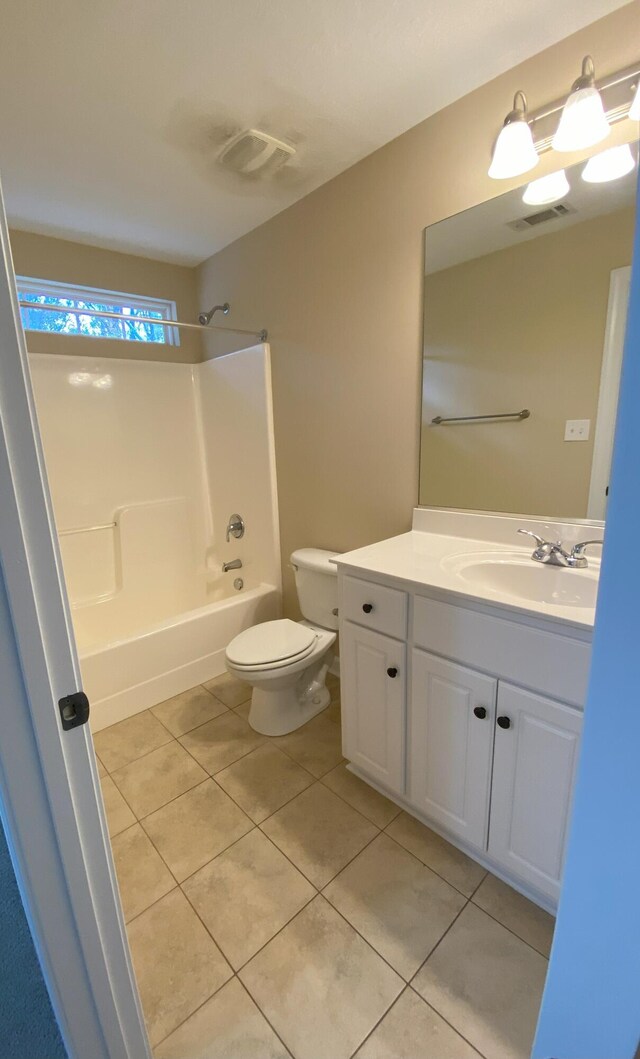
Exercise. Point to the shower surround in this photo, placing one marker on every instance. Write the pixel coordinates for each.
(146, 462)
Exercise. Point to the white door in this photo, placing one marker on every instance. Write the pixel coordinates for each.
(452, 716)
(610, 372)
(534, 765)
(373, 672)
(49, 786)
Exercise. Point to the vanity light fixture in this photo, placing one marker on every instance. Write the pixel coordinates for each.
(547, 189)
(514, 152)
(634, 110)
(583, 122)
(609, 165)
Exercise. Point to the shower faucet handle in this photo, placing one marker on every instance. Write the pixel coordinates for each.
(235, 527)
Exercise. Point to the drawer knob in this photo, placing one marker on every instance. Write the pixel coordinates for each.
(504, 722)
(480, 712)
(392, 672)
(367, 607)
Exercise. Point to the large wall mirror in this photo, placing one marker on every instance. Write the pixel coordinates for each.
(524, 318)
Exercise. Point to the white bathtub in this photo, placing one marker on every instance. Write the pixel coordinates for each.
(125, 676)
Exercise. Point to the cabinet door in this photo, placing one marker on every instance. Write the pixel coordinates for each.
(451, 739)
(373, 677)
(535, 756)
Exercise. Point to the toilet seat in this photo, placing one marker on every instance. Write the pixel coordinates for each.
(270, 645)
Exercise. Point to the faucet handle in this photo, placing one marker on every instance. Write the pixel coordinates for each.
(540, 541)
(235, 527)
(578, 550)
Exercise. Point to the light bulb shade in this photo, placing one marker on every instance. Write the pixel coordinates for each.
(609, 165)
(583, 121)
(547, 189)
(634, 111)
(514, 152)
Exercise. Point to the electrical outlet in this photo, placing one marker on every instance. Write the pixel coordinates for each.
(577, 429)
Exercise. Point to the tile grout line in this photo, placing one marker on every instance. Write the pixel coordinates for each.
(215, 993)
(139, 819)
(265, 1017)
(318, 891)
(370, 945)
(434, 870)
(262, 947)
(505, 927)
(469, 898)
(194, 1012)
(454, 1028)
(259, 827)
(439, 942)
(409, 987)
(150, 710)
(257, 824)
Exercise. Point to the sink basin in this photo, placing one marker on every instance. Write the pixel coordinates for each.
(524, 579)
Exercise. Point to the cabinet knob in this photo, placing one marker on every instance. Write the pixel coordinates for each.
(367, 607)
(504, 722)
(392, 672)
(480, 712)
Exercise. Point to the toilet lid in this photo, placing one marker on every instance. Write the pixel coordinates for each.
(271, 641)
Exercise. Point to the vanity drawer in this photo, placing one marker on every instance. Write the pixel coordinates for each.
(539, 659)
(375, 606)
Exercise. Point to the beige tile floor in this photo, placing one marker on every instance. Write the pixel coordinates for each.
(278, 907)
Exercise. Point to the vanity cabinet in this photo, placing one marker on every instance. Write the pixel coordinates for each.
(534, 765)
(451, 720)
(488, 763)
(373, 668)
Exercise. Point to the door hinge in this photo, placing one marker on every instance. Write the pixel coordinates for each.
(74, 710)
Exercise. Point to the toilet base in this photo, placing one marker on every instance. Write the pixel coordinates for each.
(282, 711)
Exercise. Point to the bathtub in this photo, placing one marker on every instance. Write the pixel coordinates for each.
(127, 675)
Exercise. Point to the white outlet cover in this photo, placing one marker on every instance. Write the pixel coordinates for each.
(577, 429)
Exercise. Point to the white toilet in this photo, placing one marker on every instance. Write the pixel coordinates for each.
(287, 661)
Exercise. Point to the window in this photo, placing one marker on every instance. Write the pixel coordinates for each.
(76, 318)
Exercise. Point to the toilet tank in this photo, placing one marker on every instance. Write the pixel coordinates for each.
(317, 586)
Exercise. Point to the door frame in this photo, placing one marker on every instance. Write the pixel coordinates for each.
(49, 786)
(609, 389)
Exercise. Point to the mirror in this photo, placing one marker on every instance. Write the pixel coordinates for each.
(524, 312)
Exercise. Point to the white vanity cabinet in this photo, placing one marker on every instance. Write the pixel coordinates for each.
(374, 681)
(434, 715)
(534, 765)
(451, 719)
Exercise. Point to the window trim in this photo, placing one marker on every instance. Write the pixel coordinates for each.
(55, 289)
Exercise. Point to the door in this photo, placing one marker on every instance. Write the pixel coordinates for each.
(373, 671)
(49, 788)
(534, 764)
(609, 388)
(451, 723)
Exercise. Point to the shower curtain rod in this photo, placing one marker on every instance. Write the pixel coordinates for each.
(261, 335)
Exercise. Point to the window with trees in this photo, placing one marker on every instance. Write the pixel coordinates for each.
(72, 312)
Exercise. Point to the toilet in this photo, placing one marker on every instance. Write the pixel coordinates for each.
(287, 661)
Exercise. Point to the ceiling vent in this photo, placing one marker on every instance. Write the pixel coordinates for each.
(551, 213)
(252, 151)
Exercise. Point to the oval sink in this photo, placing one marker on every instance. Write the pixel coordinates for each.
(525, 579)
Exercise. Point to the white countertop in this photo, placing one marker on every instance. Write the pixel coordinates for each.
(429, 559)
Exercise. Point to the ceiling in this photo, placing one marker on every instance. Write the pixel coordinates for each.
(112, 114)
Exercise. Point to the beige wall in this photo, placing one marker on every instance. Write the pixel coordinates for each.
(520, 327)
(337, 280)
(43, 257)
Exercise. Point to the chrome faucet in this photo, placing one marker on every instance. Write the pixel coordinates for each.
(235, 527)
(235, 564)
(553, 554)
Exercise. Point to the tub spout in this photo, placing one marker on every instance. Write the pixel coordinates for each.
(235, 564)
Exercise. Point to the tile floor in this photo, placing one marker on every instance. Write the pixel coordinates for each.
(278, 907)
